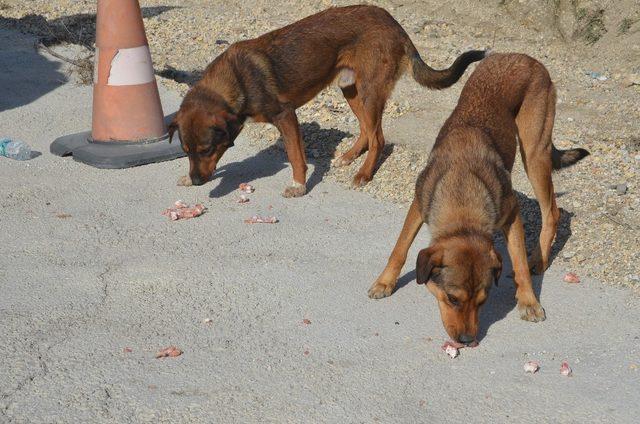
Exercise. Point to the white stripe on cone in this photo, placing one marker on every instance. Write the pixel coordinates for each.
(131, 67)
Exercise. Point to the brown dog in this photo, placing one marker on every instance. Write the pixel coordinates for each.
(268, 78)
(465, 193)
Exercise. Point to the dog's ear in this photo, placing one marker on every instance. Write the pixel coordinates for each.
(232, 125)
(496, 266)
(172, 128)
(428, 259)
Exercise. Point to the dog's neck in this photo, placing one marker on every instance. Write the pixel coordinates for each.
(456, 208)
(221, 82)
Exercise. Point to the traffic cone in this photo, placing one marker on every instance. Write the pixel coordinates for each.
(128, 126)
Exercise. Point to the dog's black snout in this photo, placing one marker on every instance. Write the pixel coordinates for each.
(466, 338)
(197, 180)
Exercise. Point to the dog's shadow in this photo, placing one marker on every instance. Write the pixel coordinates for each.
(502, 298)
(320, 146)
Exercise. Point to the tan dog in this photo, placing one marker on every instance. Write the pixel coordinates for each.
(268, 78)
(465, 193)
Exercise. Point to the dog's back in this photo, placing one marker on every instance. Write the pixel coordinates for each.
(509, 97)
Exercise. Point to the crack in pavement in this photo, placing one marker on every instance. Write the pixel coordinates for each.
(41, 357)
(44, 370)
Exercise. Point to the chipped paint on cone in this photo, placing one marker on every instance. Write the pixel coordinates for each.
(131, 67)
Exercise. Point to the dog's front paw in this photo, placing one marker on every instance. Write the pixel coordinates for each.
(295, 190)
(533, 312)
(380, 290)
(360, 180)
(185, 180)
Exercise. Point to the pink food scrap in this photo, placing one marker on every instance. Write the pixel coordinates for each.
(246, 188)
(181, 210)
(571, 278)
(170, 352)
(261, 220)
(532, 367)
(451, 347)
(565, 369)
(451, 350)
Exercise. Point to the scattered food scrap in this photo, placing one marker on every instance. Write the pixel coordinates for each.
(565, 369)
(246, 188)
(127, 350)
(571, 278)
(170, 352)
(63, 215)
(261, 220)
(243, 199)
(306, 353)
(451, 347)
(532, 367)
(181, 210)
(208, 321)
(451, 350)
(306, 321)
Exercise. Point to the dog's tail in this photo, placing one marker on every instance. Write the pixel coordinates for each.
(431, 78)
(564, 158)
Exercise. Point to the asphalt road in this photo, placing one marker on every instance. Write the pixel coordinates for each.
(76, 290)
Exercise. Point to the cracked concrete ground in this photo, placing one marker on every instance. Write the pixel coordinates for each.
(76, 291)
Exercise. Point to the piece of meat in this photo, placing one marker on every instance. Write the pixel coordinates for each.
(452, 351)
(565, 369)
(179, 204)
(531, 367)
(183, 211)
(306, 321)
(170, 352)
(451, 347)
(571, 278)
(246, 188)
(261, 220)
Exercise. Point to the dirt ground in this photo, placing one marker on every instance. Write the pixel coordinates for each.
(591, 48)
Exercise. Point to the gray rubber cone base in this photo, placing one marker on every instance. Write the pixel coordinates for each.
(117, 154)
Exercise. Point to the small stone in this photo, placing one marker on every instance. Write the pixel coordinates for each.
(621, 189)
(568, 254)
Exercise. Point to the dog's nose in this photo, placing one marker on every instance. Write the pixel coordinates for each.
(197, 180)
(466, 338)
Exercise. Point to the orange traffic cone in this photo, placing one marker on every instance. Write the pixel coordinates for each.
(128, 127)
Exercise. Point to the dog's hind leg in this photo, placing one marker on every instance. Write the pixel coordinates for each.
(373, 102)
(287, 124)
(360, 146)
(535, 128)
(386, 282)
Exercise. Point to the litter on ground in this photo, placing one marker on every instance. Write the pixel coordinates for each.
(246, 188)
(170, 352)
(565, 369)
(531, 367)
(261, 220)
(181, 210)
(571, 278)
